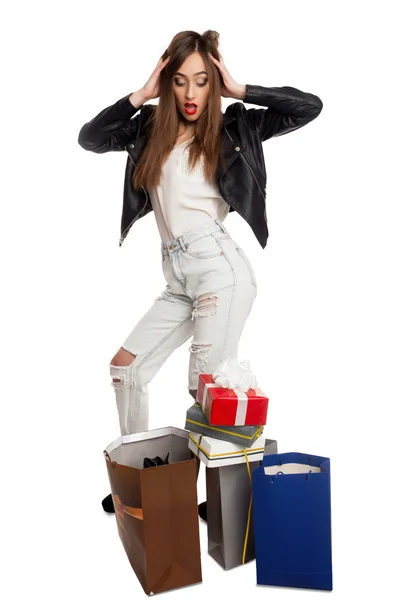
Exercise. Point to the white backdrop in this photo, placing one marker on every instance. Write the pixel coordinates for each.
(323, 336)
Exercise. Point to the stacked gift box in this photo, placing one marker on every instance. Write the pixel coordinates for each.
(226, 432)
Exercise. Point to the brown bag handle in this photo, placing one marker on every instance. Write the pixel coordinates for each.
(137, 513)
(120, 509)
(113, 462)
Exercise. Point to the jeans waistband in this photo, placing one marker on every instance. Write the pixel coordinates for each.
(193, 235)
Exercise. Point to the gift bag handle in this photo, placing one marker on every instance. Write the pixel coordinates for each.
(113, 462)
(281, 473)
(122, 509)
(276, 474)
(137, 513)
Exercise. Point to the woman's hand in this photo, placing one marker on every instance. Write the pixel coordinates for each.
(151, 88)
(230, 89)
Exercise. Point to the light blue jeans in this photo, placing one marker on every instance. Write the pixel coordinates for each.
(211, 287)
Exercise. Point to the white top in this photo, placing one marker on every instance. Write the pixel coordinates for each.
(184, 199)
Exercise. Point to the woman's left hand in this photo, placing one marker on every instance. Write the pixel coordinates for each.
(230, 89)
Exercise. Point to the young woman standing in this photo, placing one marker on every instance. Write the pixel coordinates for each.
(191, 165)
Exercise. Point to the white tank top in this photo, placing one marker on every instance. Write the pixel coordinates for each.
(184, 199)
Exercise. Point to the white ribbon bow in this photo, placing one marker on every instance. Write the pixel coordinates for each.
(231, 373)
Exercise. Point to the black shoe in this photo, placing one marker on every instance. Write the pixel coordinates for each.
(202, 510)
(108, 504)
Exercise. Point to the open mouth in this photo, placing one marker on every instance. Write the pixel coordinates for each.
(190, 108)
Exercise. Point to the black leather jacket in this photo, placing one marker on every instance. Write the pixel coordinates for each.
(243, 182)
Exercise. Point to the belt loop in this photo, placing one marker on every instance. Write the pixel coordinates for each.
(182, 245)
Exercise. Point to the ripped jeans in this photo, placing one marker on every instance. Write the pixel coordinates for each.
(211, 287)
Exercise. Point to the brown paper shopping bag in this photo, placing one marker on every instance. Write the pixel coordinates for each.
(156, 507)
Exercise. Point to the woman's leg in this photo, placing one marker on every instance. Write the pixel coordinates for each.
(163, 328)
(221, 308)
(119, 366)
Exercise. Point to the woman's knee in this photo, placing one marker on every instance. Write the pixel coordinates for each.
(122, 358)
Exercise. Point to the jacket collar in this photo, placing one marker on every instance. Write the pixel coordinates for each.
(226, 119)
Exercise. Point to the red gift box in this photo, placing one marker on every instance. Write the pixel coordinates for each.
(231, 406)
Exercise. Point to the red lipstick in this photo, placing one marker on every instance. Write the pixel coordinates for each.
(190, 108)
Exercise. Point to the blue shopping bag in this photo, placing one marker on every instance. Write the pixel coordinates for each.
(292, 521)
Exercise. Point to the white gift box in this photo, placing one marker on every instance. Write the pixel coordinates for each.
(217, 453)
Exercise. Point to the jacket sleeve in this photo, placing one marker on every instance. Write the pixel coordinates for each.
(112, 129)
(288, 109)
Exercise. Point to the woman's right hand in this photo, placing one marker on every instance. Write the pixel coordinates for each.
(151, 88)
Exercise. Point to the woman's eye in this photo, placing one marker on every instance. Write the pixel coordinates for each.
(199, 84)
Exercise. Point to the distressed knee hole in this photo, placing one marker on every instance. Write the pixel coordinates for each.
(200, 352)
(124, 372)
(205, 305)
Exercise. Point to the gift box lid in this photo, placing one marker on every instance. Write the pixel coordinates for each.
(196, 416)
(214, 448)
(225, 392)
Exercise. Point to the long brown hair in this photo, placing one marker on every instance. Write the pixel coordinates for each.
(164, 123)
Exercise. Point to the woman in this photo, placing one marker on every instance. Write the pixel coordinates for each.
(191, 164)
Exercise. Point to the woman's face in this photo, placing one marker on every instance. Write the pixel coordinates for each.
(190, 84)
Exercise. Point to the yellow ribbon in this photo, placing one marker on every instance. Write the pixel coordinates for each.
(256, 435)
(249, 512)
(223, 454)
